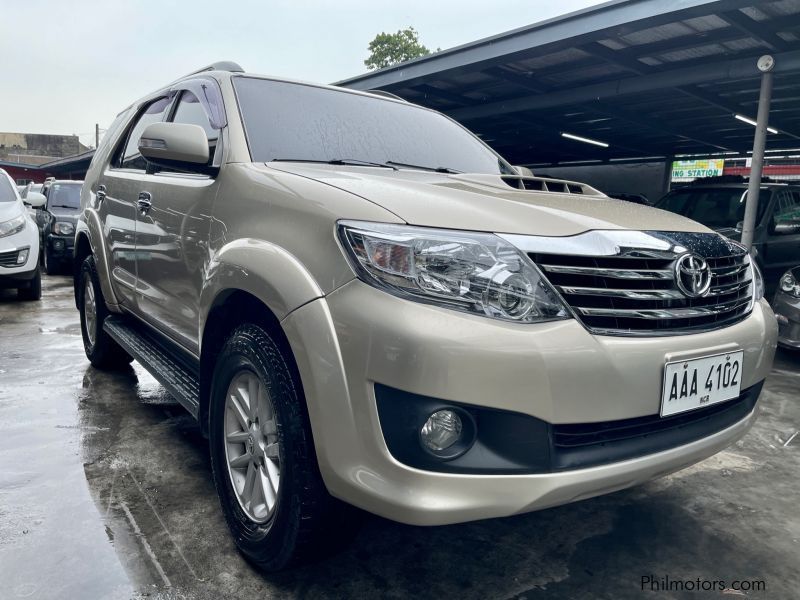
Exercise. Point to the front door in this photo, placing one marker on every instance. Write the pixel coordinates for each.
(172, 225)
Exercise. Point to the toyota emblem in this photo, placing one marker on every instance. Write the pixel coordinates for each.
(693, 275)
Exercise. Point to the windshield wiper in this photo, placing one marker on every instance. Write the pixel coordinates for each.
(355, 162)
(422, 168)
(63, 206)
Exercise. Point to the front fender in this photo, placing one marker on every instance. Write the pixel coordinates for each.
(89, 225)
(262, 269)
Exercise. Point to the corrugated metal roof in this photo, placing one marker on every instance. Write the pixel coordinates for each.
(646, 79)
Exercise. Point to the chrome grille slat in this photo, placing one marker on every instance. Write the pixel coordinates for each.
(633, 291)
(614, 273)
(618, 293)
(666, 313)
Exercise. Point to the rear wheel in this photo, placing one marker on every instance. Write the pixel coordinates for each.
(34, 289)
(263, 459)
(101, 350)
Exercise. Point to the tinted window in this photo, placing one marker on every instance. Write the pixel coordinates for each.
(6, 190)
(64, 195)
(130, 157)
(787, 207)
(294, 121)
(716, 208)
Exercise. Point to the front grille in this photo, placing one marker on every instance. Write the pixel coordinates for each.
(9, 259)
(635, 291)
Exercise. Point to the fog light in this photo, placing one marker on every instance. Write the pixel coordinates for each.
(22, 256)
(441, 430)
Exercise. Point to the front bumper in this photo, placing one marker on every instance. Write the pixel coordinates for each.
(20, 275)
(556, 372)
(787, 311)
(60, 247)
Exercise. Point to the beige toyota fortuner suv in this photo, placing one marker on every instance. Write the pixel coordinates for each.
(364, 305)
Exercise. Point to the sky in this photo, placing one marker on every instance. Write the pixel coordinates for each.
(66, 65)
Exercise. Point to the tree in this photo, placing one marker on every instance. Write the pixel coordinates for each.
(391, 48)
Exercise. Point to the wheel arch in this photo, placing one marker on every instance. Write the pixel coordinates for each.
(230, 308)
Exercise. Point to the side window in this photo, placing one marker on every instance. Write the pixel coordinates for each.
(130, 158)
(787, 206)
(189, 110)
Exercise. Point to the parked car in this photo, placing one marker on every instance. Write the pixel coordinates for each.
(57, 224)
(787, 308)
(19, 242)
(720, 206)
(363, 304)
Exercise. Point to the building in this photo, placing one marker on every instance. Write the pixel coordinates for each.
(36, 148)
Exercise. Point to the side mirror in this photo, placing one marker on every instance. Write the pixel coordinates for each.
(739, 226)
(787, 227)
(178, 146)
(524, 171)
(34, 199)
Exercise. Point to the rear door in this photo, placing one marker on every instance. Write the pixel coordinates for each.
(782, 247)
(172, 235)
(118, 187)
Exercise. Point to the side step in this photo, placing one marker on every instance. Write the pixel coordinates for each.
(178, 378)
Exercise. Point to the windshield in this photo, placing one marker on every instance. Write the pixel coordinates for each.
(64, 195)
(6, 189)
(716, 208)
(291, 121)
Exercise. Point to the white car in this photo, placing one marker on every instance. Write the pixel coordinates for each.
(19, 241)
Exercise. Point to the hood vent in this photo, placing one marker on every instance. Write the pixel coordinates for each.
(541, 184)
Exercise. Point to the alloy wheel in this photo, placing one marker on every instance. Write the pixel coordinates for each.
(89, 310)
(251, 446)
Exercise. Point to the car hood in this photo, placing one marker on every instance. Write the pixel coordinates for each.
(9, 210)
(481, 202)
(68, 215)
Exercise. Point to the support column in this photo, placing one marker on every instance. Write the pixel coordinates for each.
(765, 65)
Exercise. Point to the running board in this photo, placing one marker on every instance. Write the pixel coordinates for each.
(178, 379)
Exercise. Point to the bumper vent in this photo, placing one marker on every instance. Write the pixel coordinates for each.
(635, 292)
(9, 259)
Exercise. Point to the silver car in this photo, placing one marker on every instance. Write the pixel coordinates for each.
(365, 306)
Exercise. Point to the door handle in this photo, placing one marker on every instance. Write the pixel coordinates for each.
(145, 202)
(100, 194)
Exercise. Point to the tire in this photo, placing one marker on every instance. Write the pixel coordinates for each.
(34, 289)
(304, 522)
(101, 350)
(50, 267)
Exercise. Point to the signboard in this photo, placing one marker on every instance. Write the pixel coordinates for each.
(686, 170)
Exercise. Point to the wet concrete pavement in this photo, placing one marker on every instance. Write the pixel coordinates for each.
(105, 492)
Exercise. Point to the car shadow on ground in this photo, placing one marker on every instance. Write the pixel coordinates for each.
(147, 466)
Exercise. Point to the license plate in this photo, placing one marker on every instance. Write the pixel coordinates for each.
(700, 382)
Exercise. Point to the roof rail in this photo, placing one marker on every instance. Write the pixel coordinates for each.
(223, 65)
(386, 94)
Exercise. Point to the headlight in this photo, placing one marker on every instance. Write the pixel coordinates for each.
(63, 228)
(13, 226)
(790, 285)
(758, 281)
(478, 273)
